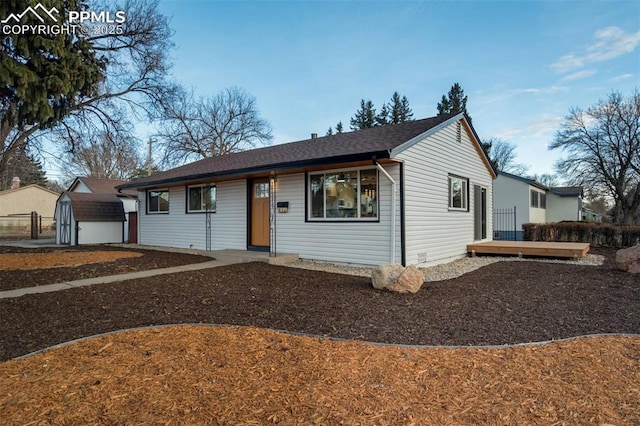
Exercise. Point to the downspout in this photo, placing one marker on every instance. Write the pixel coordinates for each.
(393, 207)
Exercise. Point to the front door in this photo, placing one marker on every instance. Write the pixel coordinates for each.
(259, 213)
(480, 212)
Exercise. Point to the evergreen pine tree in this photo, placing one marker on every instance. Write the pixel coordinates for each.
(399, 110)
(365, 117)
(44, 75)
(455, 103)
(329, 132)
(406, 114)
(444, 106)
(339, 128)
(382, 119)
(25, 166)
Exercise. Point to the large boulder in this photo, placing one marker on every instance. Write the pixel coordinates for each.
(397, 278)
(629, 259)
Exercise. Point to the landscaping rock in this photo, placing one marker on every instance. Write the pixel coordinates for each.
(397, 278)
(629, 259)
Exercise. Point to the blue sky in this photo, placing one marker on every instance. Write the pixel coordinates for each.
(523, 64)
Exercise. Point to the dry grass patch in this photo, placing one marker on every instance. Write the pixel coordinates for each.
(229, 375)
(22, 261)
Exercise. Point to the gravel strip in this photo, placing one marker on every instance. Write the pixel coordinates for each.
(444, 271)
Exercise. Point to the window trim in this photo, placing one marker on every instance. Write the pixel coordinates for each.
(201, 185)
(147, 203)
(356, 219)
(465, 197)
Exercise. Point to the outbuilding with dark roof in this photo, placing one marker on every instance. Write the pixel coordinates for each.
(413, 193)
(93, 211)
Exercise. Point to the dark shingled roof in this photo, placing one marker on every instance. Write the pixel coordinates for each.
(105, 186)
(567, 191)
(96, 207)
(351, 146)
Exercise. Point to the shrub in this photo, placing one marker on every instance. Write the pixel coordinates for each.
(597, 234)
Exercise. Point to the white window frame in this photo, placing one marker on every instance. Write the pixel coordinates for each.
(202, 186)
(358, 217)
(158, 190)
(465, 193)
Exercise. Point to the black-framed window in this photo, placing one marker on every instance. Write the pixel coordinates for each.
(201, 198)
(348, 194)
(538, 199)
(157, 201)
(458, 193)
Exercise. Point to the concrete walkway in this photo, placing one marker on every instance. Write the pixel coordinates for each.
(222, 258)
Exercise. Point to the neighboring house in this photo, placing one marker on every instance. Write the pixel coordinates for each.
(26, 199)
(591, 215)
(20, 201)
(93, 211)
(412, 193)
(529, 201)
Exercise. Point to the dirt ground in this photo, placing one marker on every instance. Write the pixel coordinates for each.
(229, 375)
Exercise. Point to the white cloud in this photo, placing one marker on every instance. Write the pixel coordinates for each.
(579, 75)
(621, 77)
(609, 43)
(543, 127)
(489, 97)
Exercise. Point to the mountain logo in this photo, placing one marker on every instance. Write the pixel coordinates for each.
(43, 13)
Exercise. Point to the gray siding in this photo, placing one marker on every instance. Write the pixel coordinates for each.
(434, 234)
(179, 229)
(360, 243)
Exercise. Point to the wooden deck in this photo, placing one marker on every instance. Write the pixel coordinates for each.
(530, 248)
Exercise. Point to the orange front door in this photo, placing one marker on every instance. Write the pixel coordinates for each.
(260, 213)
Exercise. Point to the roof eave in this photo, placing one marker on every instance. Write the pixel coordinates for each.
(278, 167)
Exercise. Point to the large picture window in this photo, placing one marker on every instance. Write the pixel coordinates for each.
(201, 198)
(344, 194)
(458, 193)
(158, 201)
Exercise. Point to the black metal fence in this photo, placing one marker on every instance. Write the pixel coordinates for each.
(504, 224)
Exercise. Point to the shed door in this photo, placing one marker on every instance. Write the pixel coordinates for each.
(260, 213)
(65, 222)
(133, 227)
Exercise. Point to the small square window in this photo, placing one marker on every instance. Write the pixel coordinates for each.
(158, 201)
(201, 198)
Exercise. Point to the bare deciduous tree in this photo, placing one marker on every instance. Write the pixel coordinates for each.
(196, 127)
(547, 179)
(603, 152)
(502, 155)
(104, 156)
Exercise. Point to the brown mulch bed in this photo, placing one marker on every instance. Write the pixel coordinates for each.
(143, 260)
(228, 375)
(501, 303)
